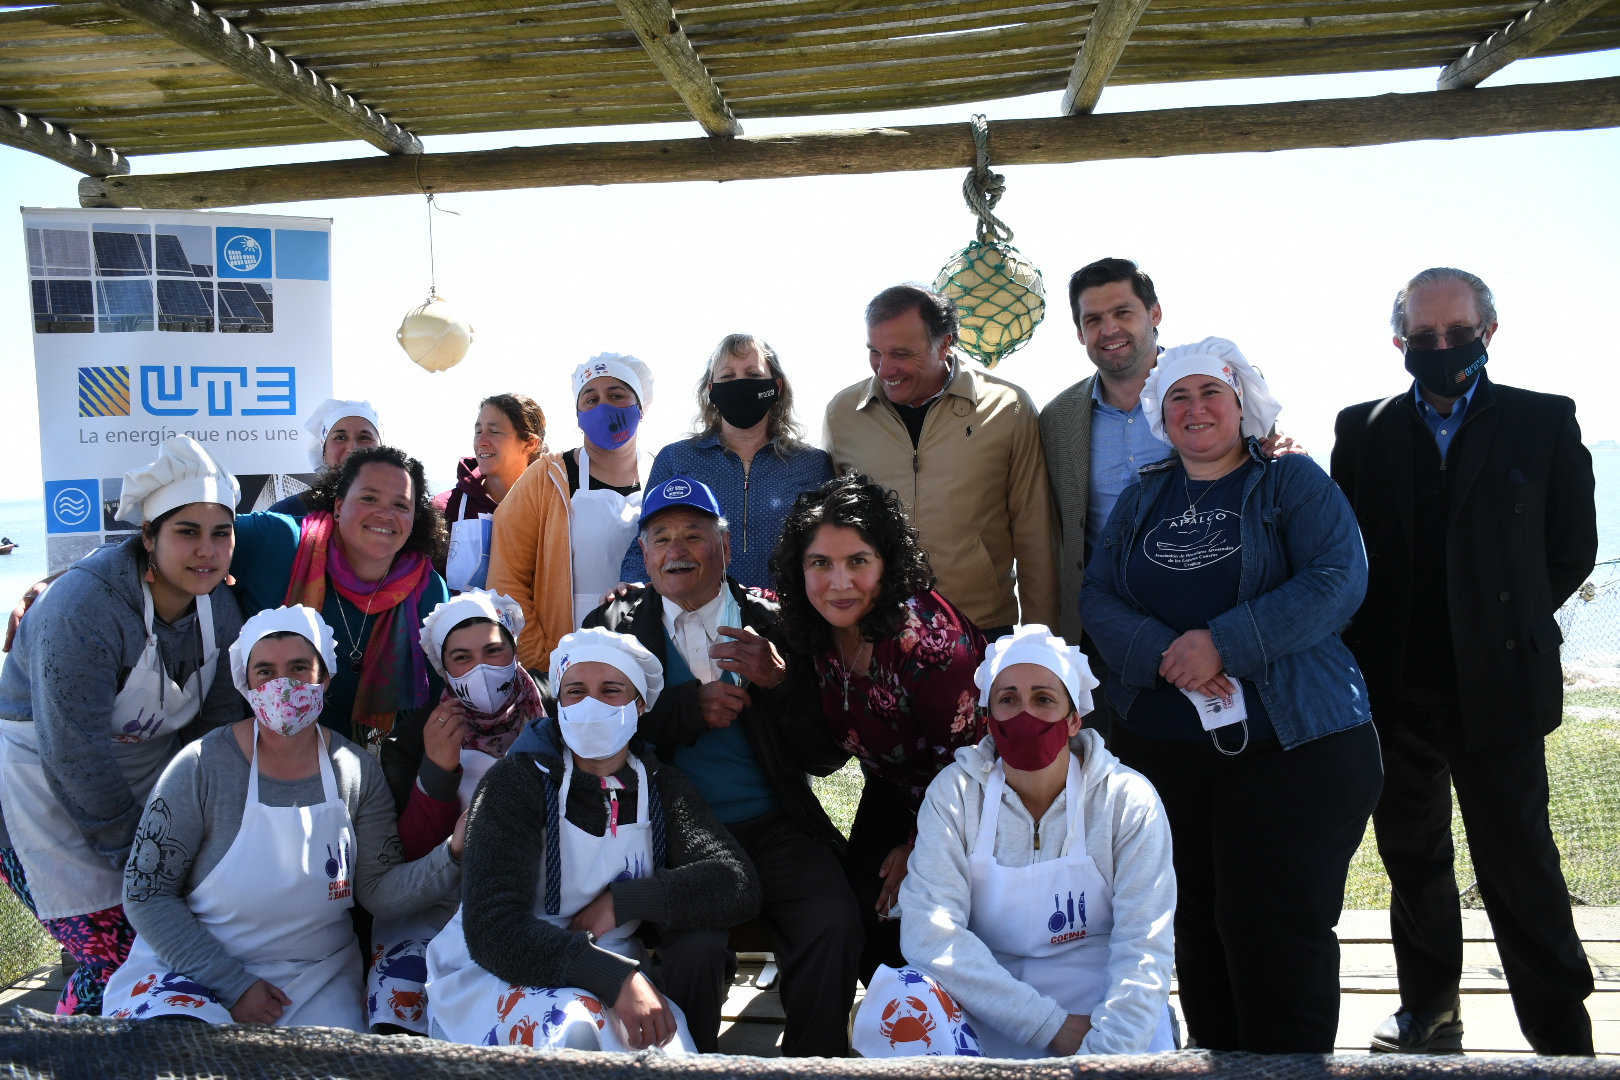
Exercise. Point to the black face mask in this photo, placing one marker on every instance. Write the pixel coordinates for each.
(744, 402)
(1447, 373)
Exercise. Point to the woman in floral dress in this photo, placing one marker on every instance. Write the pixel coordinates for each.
(894, 661)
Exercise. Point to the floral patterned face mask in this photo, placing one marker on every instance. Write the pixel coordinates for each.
(287, 706)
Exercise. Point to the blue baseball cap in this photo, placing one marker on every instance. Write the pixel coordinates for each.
(680, 491)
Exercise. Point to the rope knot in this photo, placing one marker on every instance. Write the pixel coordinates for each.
(982, 189)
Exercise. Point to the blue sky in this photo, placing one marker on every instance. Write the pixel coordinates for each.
(1296, 256)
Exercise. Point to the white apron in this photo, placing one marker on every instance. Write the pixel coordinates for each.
(1060, 949)
(467, 564)
(279, 902)
(469, 1005)
(601, 526)
(396, 980)
(64, 875)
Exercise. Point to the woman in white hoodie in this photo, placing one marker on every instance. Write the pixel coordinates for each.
(994, 967)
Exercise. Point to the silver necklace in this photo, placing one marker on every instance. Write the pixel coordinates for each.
(846, 666)
(356, 653)
(1191, 513)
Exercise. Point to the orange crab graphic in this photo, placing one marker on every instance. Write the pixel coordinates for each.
(594, 1007)
(907, 1026)
(522, 1033)
(376, 955)
(185, 1001)
(407, 1004)
(509, 1001)
(953, 1011)
(143, 986)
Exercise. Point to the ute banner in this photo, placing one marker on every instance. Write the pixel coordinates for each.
(148, 324)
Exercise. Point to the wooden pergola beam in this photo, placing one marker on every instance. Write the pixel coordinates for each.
(187, 23)
(660, 33)
(1227, 129)
(59, 144)
(1529, 33)
(1112, 23)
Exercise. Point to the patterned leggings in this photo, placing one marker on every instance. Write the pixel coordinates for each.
(99, 941)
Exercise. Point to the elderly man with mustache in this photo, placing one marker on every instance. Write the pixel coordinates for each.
(741, 717)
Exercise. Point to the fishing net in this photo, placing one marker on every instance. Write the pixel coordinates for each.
(39, 1047)
(999, 294)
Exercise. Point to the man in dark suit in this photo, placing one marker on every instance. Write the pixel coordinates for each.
(1476, 504)
(741, 716)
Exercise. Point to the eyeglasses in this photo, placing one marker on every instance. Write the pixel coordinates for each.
(1456, 337)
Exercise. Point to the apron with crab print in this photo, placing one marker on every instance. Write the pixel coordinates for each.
(279, 903)
(469, 1005)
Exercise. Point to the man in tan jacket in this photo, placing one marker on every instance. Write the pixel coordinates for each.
(962, 449)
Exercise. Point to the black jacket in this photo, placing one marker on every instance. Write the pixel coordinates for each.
(704, 882)
(1521, 537)
(784, 724)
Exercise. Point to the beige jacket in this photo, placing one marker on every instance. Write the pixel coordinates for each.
(975, 487)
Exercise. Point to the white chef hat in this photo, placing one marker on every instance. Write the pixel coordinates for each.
(1220, 359)
(472, 604)
(634, 373)
(1035, 644)
(305, 622)
(326, 414)
(622, 651)
(183, 473)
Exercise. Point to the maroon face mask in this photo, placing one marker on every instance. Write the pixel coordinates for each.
(1028, 743)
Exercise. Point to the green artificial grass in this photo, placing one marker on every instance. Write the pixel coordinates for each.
(1585, 809)
(24, 945)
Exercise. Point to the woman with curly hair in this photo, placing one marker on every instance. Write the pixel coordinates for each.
(894, 661)
(363, 557)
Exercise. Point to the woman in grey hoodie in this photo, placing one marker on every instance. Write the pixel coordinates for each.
(1036, 915)
(106, 676)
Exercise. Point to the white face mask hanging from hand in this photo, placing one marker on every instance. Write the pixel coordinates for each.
(594, 729)
(485, 689)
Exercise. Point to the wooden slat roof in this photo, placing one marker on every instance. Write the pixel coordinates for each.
(437, 67)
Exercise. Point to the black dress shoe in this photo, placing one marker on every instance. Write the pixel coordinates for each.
(1411, 1031)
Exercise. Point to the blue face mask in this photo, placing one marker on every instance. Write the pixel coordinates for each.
(610, 426)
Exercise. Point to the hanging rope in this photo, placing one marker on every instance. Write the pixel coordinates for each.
(433, 273)
(982, 188)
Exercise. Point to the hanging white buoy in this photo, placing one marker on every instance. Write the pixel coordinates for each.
(433, 335)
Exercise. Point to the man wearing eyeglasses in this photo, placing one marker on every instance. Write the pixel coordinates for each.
(1476, 504)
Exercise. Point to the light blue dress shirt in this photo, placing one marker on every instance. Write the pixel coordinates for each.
(1444, 427)
(1121, 443)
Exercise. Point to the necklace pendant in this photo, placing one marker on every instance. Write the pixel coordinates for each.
(355, 663)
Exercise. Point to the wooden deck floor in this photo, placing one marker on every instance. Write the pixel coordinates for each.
(753, 1014)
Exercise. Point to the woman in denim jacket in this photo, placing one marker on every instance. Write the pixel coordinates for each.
(1216, 597)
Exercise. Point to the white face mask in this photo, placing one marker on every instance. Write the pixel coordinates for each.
(595, 729)
(287, 706)
(485, 689)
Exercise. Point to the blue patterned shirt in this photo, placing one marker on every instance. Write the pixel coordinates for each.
(1121, 443)
(756, 503)
(1444, 427)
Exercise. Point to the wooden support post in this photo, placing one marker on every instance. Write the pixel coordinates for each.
(667, 44)
(59, 144)
(188, 24)
(1529, 33)
(1226, 129)
(1112, 23)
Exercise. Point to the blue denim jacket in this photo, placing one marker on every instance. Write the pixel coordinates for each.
(756, 502)
(1303, 576)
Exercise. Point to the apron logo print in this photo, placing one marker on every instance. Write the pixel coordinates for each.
(339, 888)
(1061, 921)
(633, 873)
(143, 727)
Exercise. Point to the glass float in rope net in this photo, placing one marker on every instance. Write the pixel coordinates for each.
(999, 295)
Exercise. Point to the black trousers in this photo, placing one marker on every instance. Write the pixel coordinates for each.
(815, 930)
(1263, 842)
(694, 968)
(1503, 795)
(883, 822)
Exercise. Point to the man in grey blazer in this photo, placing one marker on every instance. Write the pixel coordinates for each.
(1094, 433)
